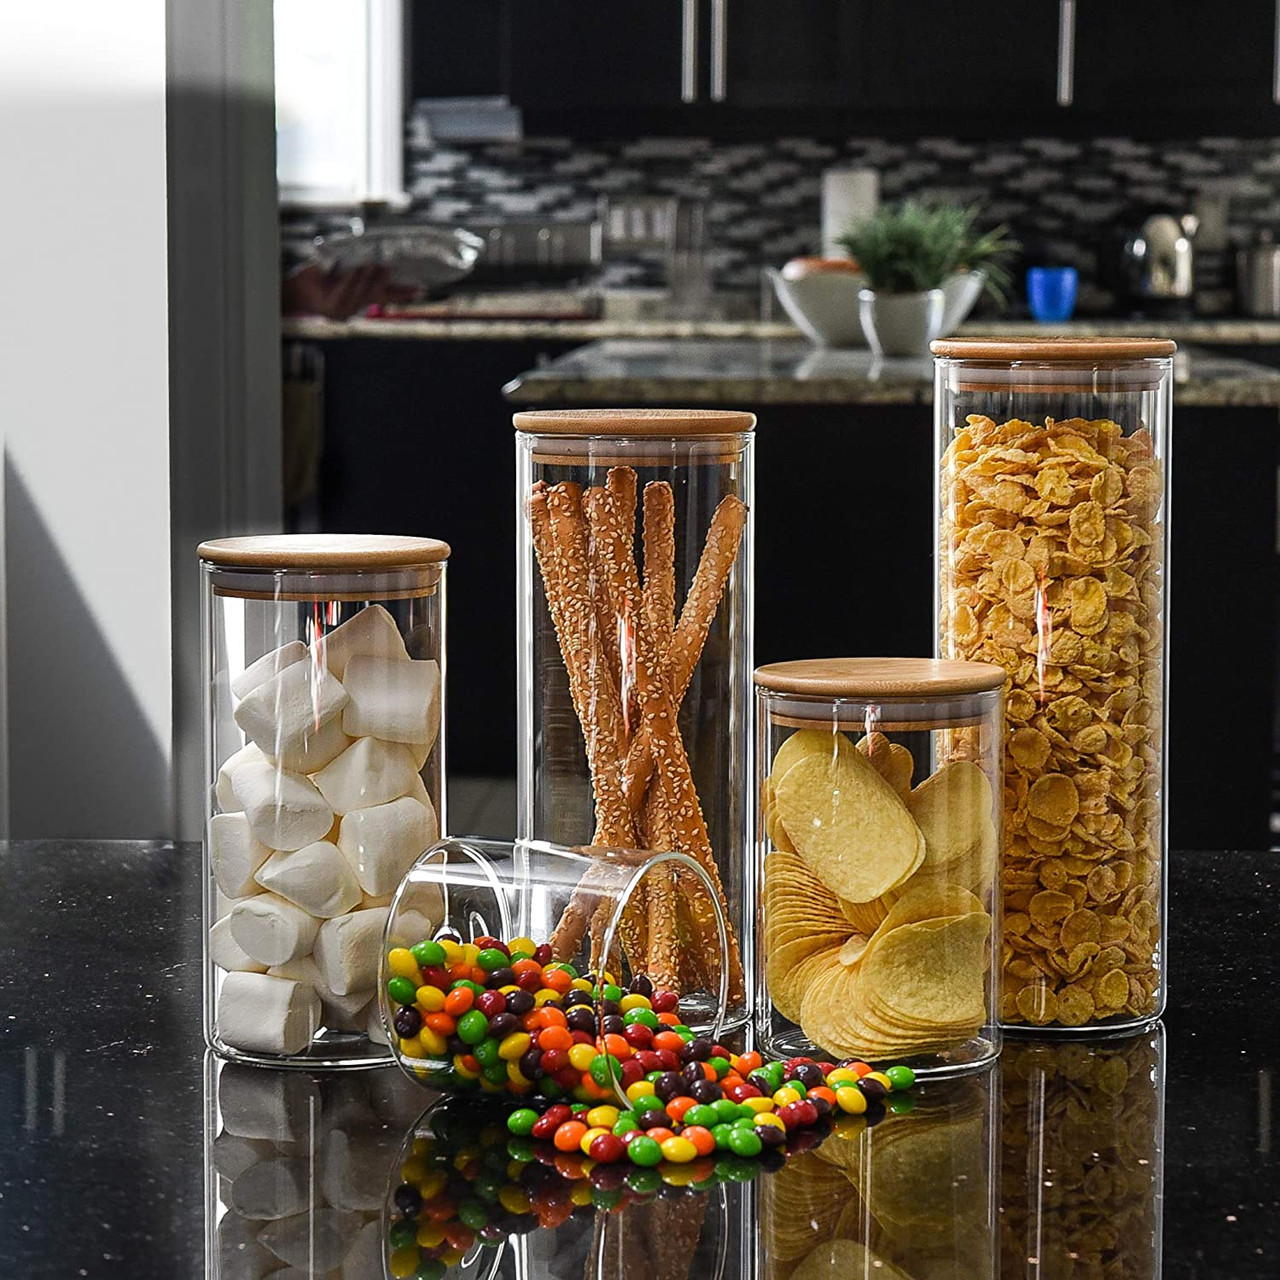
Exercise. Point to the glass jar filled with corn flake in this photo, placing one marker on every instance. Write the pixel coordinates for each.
(1053, 529)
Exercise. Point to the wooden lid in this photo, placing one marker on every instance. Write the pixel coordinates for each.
(1084, 350)
(324, 551)
(879, 677)
(634, 422)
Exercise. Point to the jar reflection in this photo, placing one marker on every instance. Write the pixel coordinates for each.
(1082, 1158)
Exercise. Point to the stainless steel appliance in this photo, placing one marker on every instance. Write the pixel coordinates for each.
(1157, 262)
(1258, 278)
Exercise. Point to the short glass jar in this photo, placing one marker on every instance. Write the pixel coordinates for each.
(877, 856)
(1053, 532)
(485, 934)
(324, 664)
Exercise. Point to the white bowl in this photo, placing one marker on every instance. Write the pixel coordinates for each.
(823, 305)
(960, 291)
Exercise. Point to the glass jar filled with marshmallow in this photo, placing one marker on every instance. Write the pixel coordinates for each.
(324, 664)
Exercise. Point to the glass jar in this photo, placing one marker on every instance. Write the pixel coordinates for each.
(324, 665)
(1053, 529)
(877, 852)
(296, 1168)
(1082, 1159)
(634, 570)
(495, 915)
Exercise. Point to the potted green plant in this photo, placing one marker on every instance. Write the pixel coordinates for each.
(911, 253)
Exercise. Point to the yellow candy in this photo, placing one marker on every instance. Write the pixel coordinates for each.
(767, 1117)
(433, 1184)
(414, 1170)
(513, 1047)
(679, 1150)
(759, 1104)
(404, 1261)
(508, 989)
(430, 1235)
(466, 1072)
(489, 1087)
(514, 1169)
(589, 1137)
(544, 996)
(523, 944)
(580, 1193)
(851, 1100)
(451, 1257)
(470, 953)
(453, 953)
(842, 1073)
(423, 1146)
(681, 1175)
(401, 962)
(603, 1117)
(882, 1078)
(433, 1042)
(431, 999)
(786, 1094)
(632, 1001)
(513, 1199)
(581, 1056)
(515, 1075)
(641, 1089)
(580, 984)
(412, 1049)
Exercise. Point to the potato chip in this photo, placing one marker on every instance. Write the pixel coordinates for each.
(891, 760)
(849, 825)
(932, 971)
(954, 810)
(808, 742)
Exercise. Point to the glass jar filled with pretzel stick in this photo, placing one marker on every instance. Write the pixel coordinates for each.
(1053, 530)
(635, 656)
(877, 854)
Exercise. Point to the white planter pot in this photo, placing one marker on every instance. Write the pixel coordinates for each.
(901, 324)
(823, 306)
(960, 291)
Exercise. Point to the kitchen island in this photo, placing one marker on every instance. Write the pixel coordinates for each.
(113, 1165)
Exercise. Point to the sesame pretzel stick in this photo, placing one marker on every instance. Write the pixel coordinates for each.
(659, 594)
(607, 626)
(700, 606)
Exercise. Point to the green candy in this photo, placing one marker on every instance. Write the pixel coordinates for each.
(475, 987)
(745, 1142)
(473, 1213)
(430, 1269)
(580, 1106)
(720, 1066)
(900, 1105)
(798, 1087)
(745, 1122)
(901, 1077)
(551, 1088)
(487, 1187)
(496, 1074)
(648, 1102)
(652, 1076)
(726, 1110)
(744, 1112)
(567, 968)
(736, 1169)
(612, 993)
(721, 1134)
(402, 990)
(644, 1182)
(428, 954)
(473, 1026)
(625, 1123)
(522, 1149)
(521, 1122)
(487, 1053)
(702, 1115)
(491, 959)
(603, 1199)
(402, 1234)
(605, 1068)
(645, 1017)
(517, 956)
(645, 1152)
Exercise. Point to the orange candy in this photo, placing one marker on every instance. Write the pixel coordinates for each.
(618, 1046)
(526, 966)
(668, 1040)
(441, 1023)
(593, 1090)
(703, 1140)
(823, 1092)
(569, 1135)
(441, 1209)
(460, 1236)
(669, 1019)
(458, 1001)
(557, 980)
(549, 1017)
(459, 972)
(659, 1135)
(677, 1107)
(860, 1069)
(746, 1063)
(554, 1037)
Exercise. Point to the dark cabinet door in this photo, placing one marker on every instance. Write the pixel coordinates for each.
(457, 50)
(608, 55)
(1176, 56)
(804, 54)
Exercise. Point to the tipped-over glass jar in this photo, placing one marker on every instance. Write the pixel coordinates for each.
(520, 968)
(324, 664)
(878, 850)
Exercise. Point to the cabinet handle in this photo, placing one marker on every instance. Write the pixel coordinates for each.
(1067, 52)
(689, 51)
(1275, 61)
(720, 49)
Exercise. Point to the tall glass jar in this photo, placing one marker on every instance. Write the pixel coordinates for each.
(324, 665)
(1053, 528)
(877, 853)
(634, 584)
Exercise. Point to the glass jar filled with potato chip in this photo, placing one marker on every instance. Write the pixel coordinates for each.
(1053, 532)
(878, 853)
(634, 614)
(324, 669)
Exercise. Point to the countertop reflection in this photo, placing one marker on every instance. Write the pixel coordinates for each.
(130, 1152)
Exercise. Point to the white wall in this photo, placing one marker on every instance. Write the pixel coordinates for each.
(84, 410)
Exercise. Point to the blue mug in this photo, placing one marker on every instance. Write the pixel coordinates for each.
(1051, 293)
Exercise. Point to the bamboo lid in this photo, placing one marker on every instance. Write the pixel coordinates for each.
(879, 677)
(348, 552)
(1050, 349)
(634, 422)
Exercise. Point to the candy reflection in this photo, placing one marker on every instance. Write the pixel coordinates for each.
(1082, 1158)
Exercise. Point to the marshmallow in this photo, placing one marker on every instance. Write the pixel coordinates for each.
(225, 792)
(421, 914)
(271, 929)
(262, 1014)
(348, 949)
(376, 899)
(365, 1256)
(319, 747)
(369, 772)
(273, 1189)
(372, 633)
(284, 809)
(272, 1106)
(353, 1169)
(383, 842)
(374, 1027)
(284, 710)
(240, 1256)
(235, 853)
(232, 1154)
(397, 701)
(341, 1013)
(270, 664)
(316, 878)
(318, 1240)
(227, 953)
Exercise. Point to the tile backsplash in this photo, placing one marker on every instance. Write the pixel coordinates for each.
(1064, 199)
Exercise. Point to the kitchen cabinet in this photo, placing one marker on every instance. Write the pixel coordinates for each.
(457, 50)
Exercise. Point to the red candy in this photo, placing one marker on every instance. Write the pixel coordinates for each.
(665, 1002)
(491, 1003)
(607, 1147)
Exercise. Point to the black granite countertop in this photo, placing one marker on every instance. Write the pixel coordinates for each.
(791, 371)
(1156, 1155)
